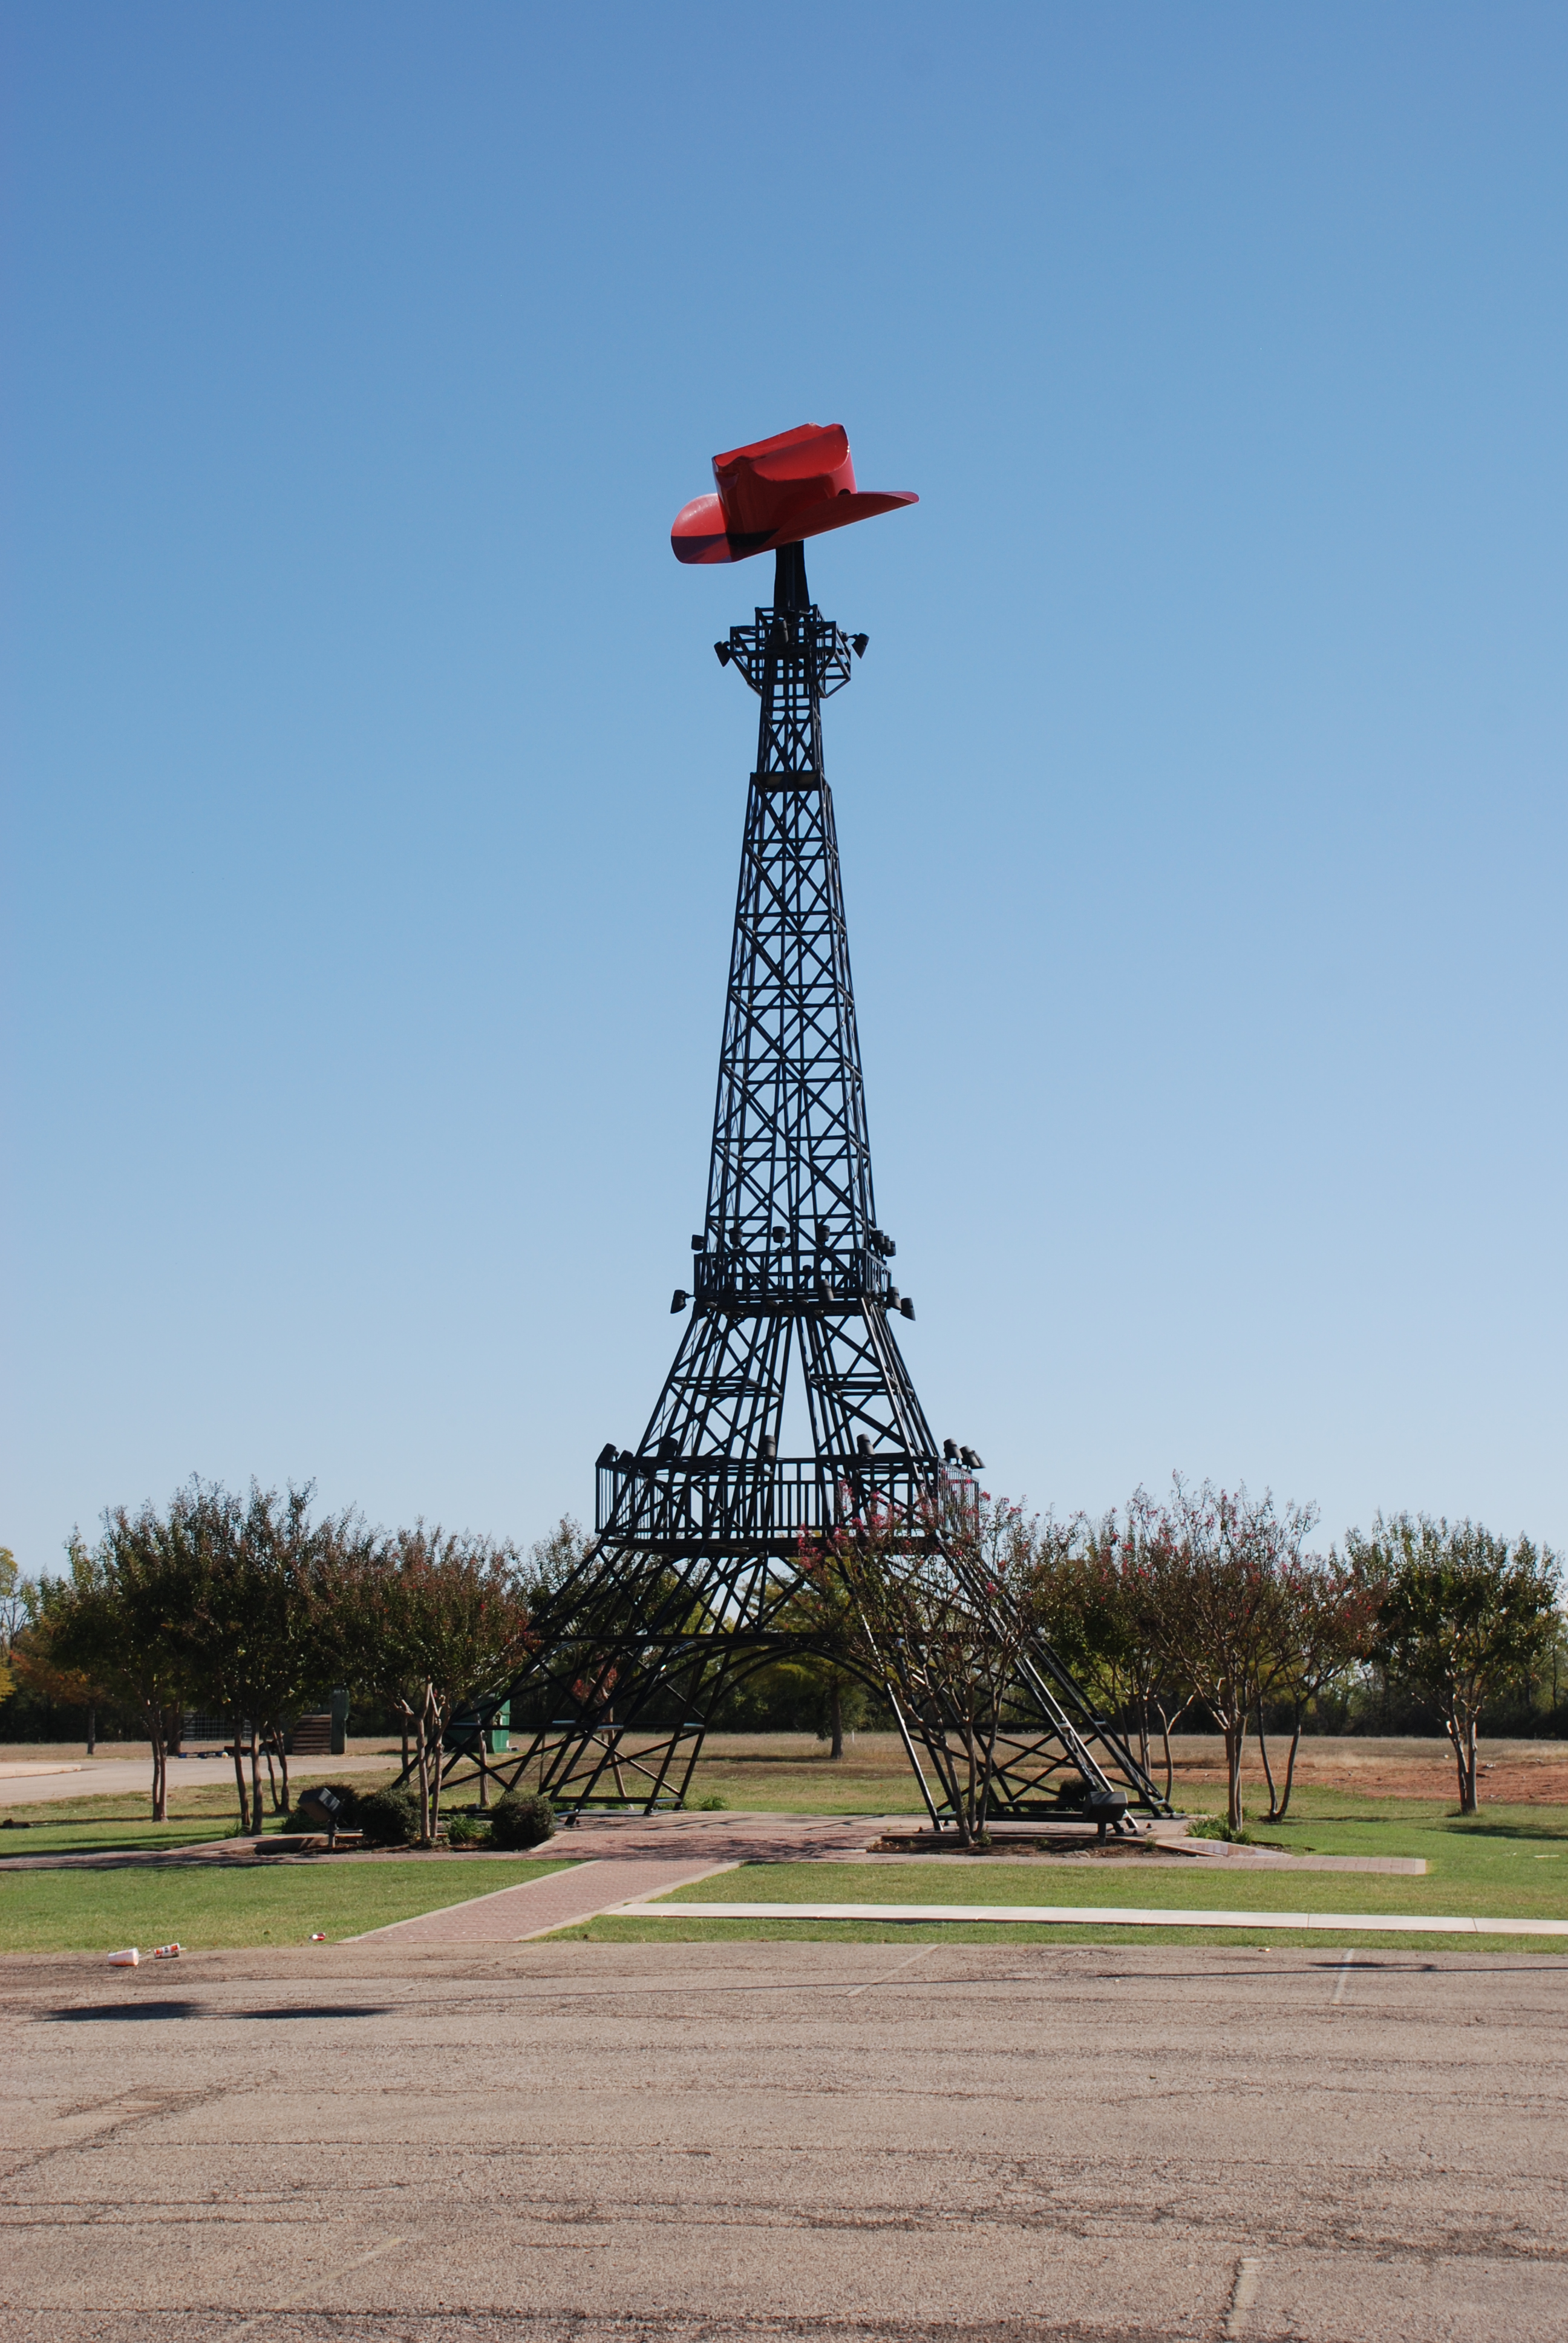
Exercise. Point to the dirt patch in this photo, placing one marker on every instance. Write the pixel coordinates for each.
(1507, 1781)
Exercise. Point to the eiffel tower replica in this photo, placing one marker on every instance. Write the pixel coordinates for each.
(687, 1586)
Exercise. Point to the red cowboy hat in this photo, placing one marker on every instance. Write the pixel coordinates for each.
(775, 493)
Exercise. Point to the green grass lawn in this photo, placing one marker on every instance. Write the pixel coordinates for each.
(1502, 1850)
(208, 1907)
(791, 1774)
(200, 1810)
(1504, 1863)
(1510, 1861)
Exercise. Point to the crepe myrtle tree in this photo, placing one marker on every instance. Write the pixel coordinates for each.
(1132, 1604)
(432, 1620)
(1326, 1618)
(1223, 1558)
(1462, 1615)
(261, 1570)
(115, 1621)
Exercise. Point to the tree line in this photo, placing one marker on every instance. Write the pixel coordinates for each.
(251, 1608)
(1208, 1607)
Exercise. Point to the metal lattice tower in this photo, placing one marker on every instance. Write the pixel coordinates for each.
(686, 1588)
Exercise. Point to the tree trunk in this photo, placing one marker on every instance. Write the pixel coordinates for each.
(160, 1767)
(438, 1735)
(1290, 1771)
(422, 1751)
(92, 1728)
(283, 1774)
(963, 1798)
(266, 1742)
(835, 1719)
(988, 1776)
(1170, 1760)
(1462, 1733)
(1268, 1769)
(256, 1806)
(238, 1754)
(1235, 1742)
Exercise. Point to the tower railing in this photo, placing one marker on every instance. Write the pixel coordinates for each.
(687, 1503)
(784, 1281)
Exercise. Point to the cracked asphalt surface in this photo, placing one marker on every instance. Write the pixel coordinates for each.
(369, 2144)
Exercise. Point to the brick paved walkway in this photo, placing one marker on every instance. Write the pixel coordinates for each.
(512, 1915)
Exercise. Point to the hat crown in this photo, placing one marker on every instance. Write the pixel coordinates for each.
(761, 486)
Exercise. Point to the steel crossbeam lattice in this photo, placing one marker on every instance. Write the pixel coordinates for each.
(686, 1585)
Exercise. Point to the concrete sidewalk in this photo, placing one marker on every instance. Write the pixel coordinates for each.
(510, 1915)
(36, 1784)
(1103, 1915)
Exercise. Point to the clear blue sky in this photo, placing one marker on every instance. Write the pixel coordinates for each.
(375, 797)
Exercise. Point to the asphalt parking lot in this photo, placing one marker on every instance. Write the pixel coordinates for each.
(366, 2142)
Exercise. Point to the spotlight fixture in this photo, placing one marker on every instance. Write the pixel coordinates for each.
(723, 654)
(697, 1243)
(607, 1454)
(668, 1448)
(857, 645)
(907, 1309)
(677, 1302)
(974, 1462)
(951, 1451)
(864, 1444)
(770, 1448)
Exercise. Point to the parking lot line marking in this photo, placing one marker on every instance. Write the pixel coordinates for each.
(1244, 2293)
(307, 2301)
(1347, 1961)
(896, 1969)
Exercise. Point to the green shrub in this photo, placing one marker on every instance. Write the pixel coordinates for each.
(521, 1820)
(1216, 1826)
(390, 1818)
(464, 1829)
(712, 1805)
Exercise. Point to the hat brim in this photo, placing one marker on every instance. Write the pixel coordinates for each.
(699, 534)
